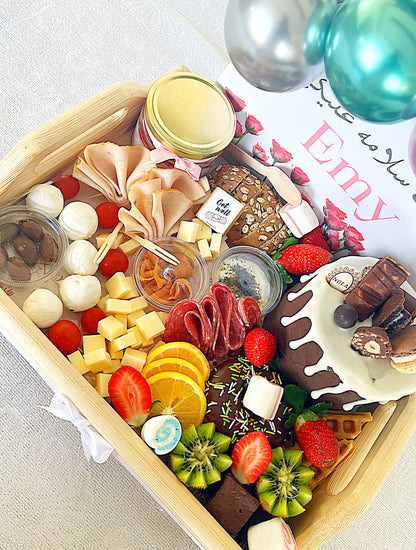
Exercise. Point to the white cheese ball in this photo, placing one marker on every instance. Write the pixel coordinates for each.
(45, 198)
(80, 292)
(79, 220)
(43, 307)
(79, 258)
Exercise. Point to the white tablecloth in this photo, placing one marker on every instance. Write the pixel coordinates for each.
(54, 54)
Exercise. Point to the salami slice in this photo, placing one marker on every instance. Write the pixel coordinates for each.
(199, 327)
(233, 326)
(249, 312)
(175, 328)
(218, 347)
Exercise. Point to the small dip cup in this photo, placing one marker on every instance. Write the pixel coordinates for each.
(248, 271)
(42, 271)
(192, 268)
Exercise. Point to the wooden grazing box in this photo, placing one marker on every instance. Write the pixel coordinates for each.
(110, 116)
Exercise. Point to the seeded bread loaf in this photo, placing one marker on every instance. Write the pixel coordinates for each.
(259, 224)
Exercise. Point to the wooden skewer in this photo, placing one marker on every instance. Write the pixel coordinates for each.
(107, 244)
(157, 250)
(346, 471)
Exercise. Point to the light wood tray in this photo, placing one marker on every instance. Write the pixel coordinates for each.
(111, 115)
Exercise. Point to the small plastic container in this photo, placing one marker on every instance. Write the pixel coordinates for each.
(42, 271)
(150, 279)
(249, 271)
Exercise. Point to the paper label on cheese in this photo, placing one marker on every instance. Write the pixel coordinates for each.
(220, 211)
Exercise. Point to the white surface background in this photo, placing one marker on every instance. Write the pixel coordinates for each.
(53, 55)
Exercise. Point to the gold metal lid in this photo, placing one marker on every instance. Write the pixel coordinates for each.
(188, 114)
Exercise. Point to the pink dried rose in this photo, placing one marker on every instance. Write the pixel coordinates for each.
(278, 153)
(238, 130)
(298, 176)
(333, 239)
(306, 199)
(353, 239)
(253, 126)
(237, 103)
(260, 153)
(334, 216)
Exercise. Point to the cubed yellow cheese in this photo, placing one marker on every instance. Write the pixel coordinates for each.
(125, 341)
(137, 304)
(97, 360)
(138, 336)
(101, 238)
(129, 247)
(133, 292)
(101, 384)
(215, 245)
(101, 302)
(188, 231)
(150, 325)
(147, 343)
(131, 317)
(118, 286)
(204, 232)
(162, 316)
(78, 361)
(115, 364)
(224, 246)
(135, 358)
(203, 247)
(114, 354)
(114, 305)
(91, 342)
(122, 317)
(110, 327)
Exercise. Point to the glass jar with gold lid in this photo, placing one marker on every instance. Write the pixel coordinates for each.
(187, 115)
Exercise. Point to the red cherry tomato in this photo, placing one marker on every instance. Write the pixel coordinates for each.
(68, 185)
(115, 260)
(65, 335)
(107, 213)
(90, 319)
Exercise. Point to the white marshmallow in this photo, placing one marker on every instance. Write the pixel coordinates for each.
(43, 307)
(162, 433)
(262, 397)
(299, 219)
(79, 220)
(46, 199)
(79, 258)
(80, 292)
(273, 534)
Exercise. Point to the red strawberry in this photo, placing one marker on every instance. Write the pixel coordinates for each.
(316, 439)
(260, 346)
(315, 237)
(251, 456)
(303, 258)
(130, 395)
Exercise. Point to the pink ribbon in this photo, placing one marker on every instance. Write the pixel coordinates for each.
(162, 153)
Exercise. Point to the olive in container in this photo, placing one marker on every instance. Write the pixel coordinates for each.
(32, 247)
(162, 284)
(248, 271)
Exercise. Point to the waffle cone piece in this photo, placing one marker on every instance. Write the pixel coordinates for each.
(347, 425)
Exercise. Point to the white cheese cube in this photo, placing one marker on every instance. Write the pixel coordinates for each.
(188, 231)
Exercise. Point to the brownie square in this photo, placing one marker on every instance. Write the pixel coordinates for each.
(232, 505)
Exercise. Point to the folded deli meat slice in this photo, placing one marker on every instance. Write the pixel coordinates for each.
(216, 325)
(111, 168)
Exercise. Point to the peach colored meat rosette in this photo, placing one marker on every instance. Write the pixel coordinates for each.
(158, 198)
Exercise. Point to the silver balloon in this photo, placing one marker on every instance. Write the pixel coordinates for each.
(278, 45)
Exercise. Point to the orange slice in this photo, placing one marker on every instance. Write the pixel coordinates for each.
(177, 394)
(182, 350)
(174, 365)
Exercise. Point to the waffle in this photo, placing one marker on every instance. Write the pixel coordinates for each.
(346, 448)
(347, 425)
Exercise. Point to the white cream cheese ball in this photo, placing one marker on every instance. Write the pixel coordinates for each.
(46, 199)
(79, 258)
(80, 292)
(43, 307)
(79, 220)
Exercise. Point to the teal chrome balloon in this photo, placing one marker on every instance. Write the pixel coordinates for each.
(370, 58)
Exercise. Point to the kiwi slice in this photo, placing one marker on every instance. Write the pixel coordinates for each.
(283, 487)
(198, 459)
